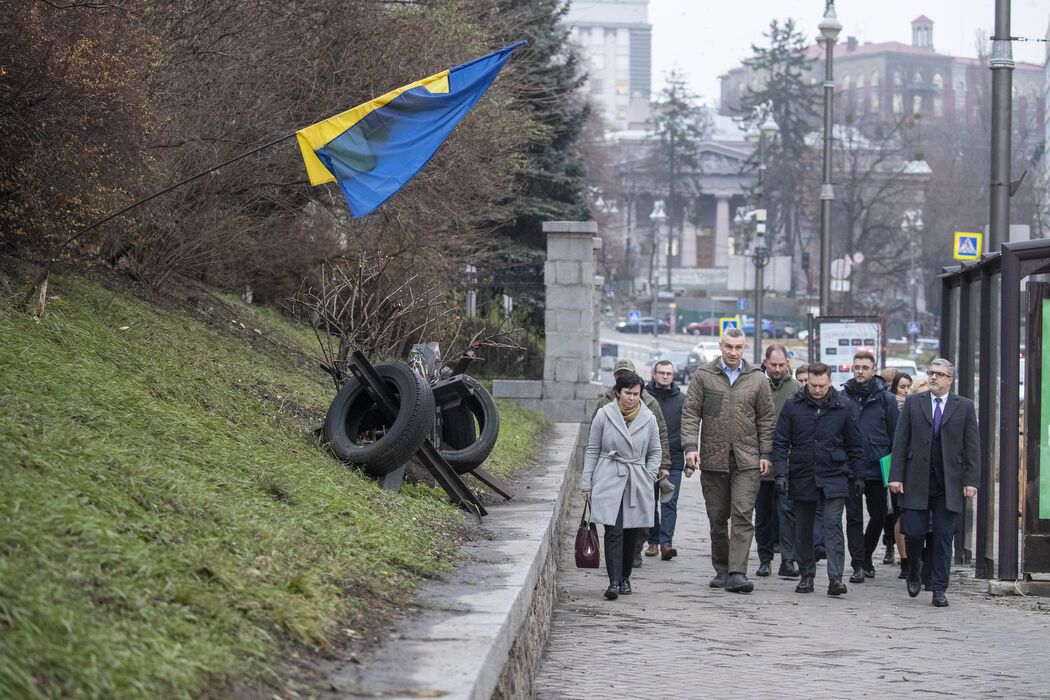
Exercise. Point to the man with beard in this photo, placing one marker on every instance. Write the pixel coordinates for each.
(771, 510)
(877, 411)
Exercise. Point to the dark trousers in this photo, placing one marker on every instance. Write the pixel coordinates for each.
(805, 514)
(662, 531)
(916, 523)
(891, 520)
(619, 549)
(774, 522)
(861, 541)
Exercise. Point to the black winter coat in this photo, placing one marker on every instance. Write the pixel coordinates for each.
(877, 412)
(671, 401)
(817, 447)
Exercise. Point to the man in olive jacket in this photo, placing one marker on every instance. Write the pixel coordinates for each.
(735, 404)
(774, 517)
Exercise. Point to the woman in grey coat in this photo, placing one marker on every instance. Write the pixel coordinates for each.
(620, 466)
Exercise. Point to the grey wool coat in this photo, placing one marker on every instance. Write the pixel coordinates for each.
(621, 464)
(960, 451)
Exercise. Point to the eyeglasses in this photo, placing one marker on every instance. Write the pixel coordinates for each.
(934, 374)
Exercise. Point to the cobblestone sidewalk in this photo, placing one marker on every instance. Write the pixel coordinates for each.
(675, 637)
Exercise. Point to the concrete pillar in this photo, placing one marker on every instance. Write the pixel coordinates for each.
(688, 257)
(722, 231)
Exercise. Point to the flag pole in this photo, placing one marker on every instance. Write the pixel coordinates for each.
(40, 285)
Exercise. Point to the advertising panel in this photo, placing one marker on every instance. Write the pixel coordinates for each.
(839, 339)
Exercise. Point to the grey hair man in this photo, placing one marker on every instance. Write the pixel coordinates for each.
(733, 402)
(935, 466)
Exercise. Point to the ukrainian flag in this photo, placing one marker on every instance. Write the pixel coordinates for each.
(375, 148)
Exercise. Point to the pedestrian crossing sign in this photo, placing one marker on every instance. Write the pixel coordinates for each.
(728, 322)
(967, 246)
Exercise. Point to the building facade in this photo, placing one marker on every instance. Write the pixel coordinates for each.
(889, 80)
(614, 38)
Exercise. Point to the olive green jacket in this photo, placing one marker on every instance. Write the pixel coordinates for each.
(781, 393)
(737, 419)
(650, 402)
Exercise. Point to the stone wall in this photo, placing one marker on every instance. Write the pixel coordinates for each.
(568, 391)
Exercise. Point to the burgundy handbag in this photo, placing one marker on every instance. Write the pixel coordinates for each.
(587, 554)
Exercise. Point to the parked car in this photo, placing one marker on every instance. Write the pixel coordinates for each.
(704, 352)
(903, 364)
(769, 329)
(709, 326)
(645, 325)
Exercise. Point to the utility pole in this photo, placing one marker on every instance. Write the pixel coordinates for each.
(1002, 66)
(670, 204)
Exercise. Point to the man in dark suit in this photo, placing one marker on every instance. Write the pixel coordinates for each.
(935, 465)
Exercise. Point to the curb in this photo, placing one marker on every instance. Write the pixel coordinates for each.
(482, 632)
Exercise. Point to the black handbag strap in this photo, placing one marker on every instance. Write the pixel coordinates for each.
(583, 515)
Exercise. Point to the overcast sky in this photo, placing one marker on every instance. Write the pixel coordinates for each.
(706, 38)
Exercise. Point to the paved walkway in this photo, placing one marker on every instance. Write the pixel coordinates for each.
(675, 637)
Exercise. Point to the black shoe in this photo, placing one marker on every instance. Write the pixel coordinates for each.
(869, 571)
(904, 569)
(939, 599)
(805, 585)
(637, 561)
(914, 575)
(763, 569)
(738, 583)
(819, 553)
(788, 569)
(625, 587)
(888, 559)
(858, 575)
(612, 592)
(837, 587)
(667, 552)
(719, 581)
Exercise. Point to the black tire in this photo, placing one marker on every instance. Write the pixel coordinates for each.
(357, 432)
(467, 446)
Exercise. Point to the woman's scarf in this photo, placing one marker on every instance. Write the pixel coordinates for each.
(629, 415)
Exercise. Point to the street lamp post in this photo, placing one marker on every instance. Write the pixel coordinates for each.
(760, 253)
(656, 218)
(912, 226)
(829, 31)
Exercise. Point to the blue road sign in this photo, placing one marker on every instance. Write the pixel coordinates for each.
(634, 317)
(913, 327)
(741, 304)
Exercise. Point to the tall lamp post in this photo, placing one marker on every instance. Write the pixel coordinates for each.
(760, 253)
(829, 31)
(912, 227)
(656, 218)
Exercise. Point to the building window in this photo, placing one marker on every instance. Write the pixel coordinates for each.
(596, 86)
(916, 104)
(938, 95)
(621, 87)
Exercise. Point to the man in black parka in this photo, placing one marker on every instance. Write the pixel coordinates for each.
(877, 412)
(816, 450)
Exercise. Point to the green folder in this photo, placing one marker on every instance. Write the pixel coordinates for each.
(884, 462)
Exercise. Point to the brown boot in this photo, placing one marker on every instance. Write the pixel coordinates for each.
(652, 550)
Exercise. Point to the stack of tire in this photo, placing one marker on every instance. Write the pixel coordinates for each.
(359, 434)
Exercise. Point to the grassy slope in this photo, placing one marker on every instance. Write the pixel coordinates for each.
(168, 523)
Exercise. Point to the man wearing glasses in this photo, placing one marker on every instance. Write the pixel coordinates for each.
(935, 466)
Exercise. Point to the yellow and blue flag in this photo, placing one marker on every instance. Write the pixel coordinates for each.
(373, 149)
